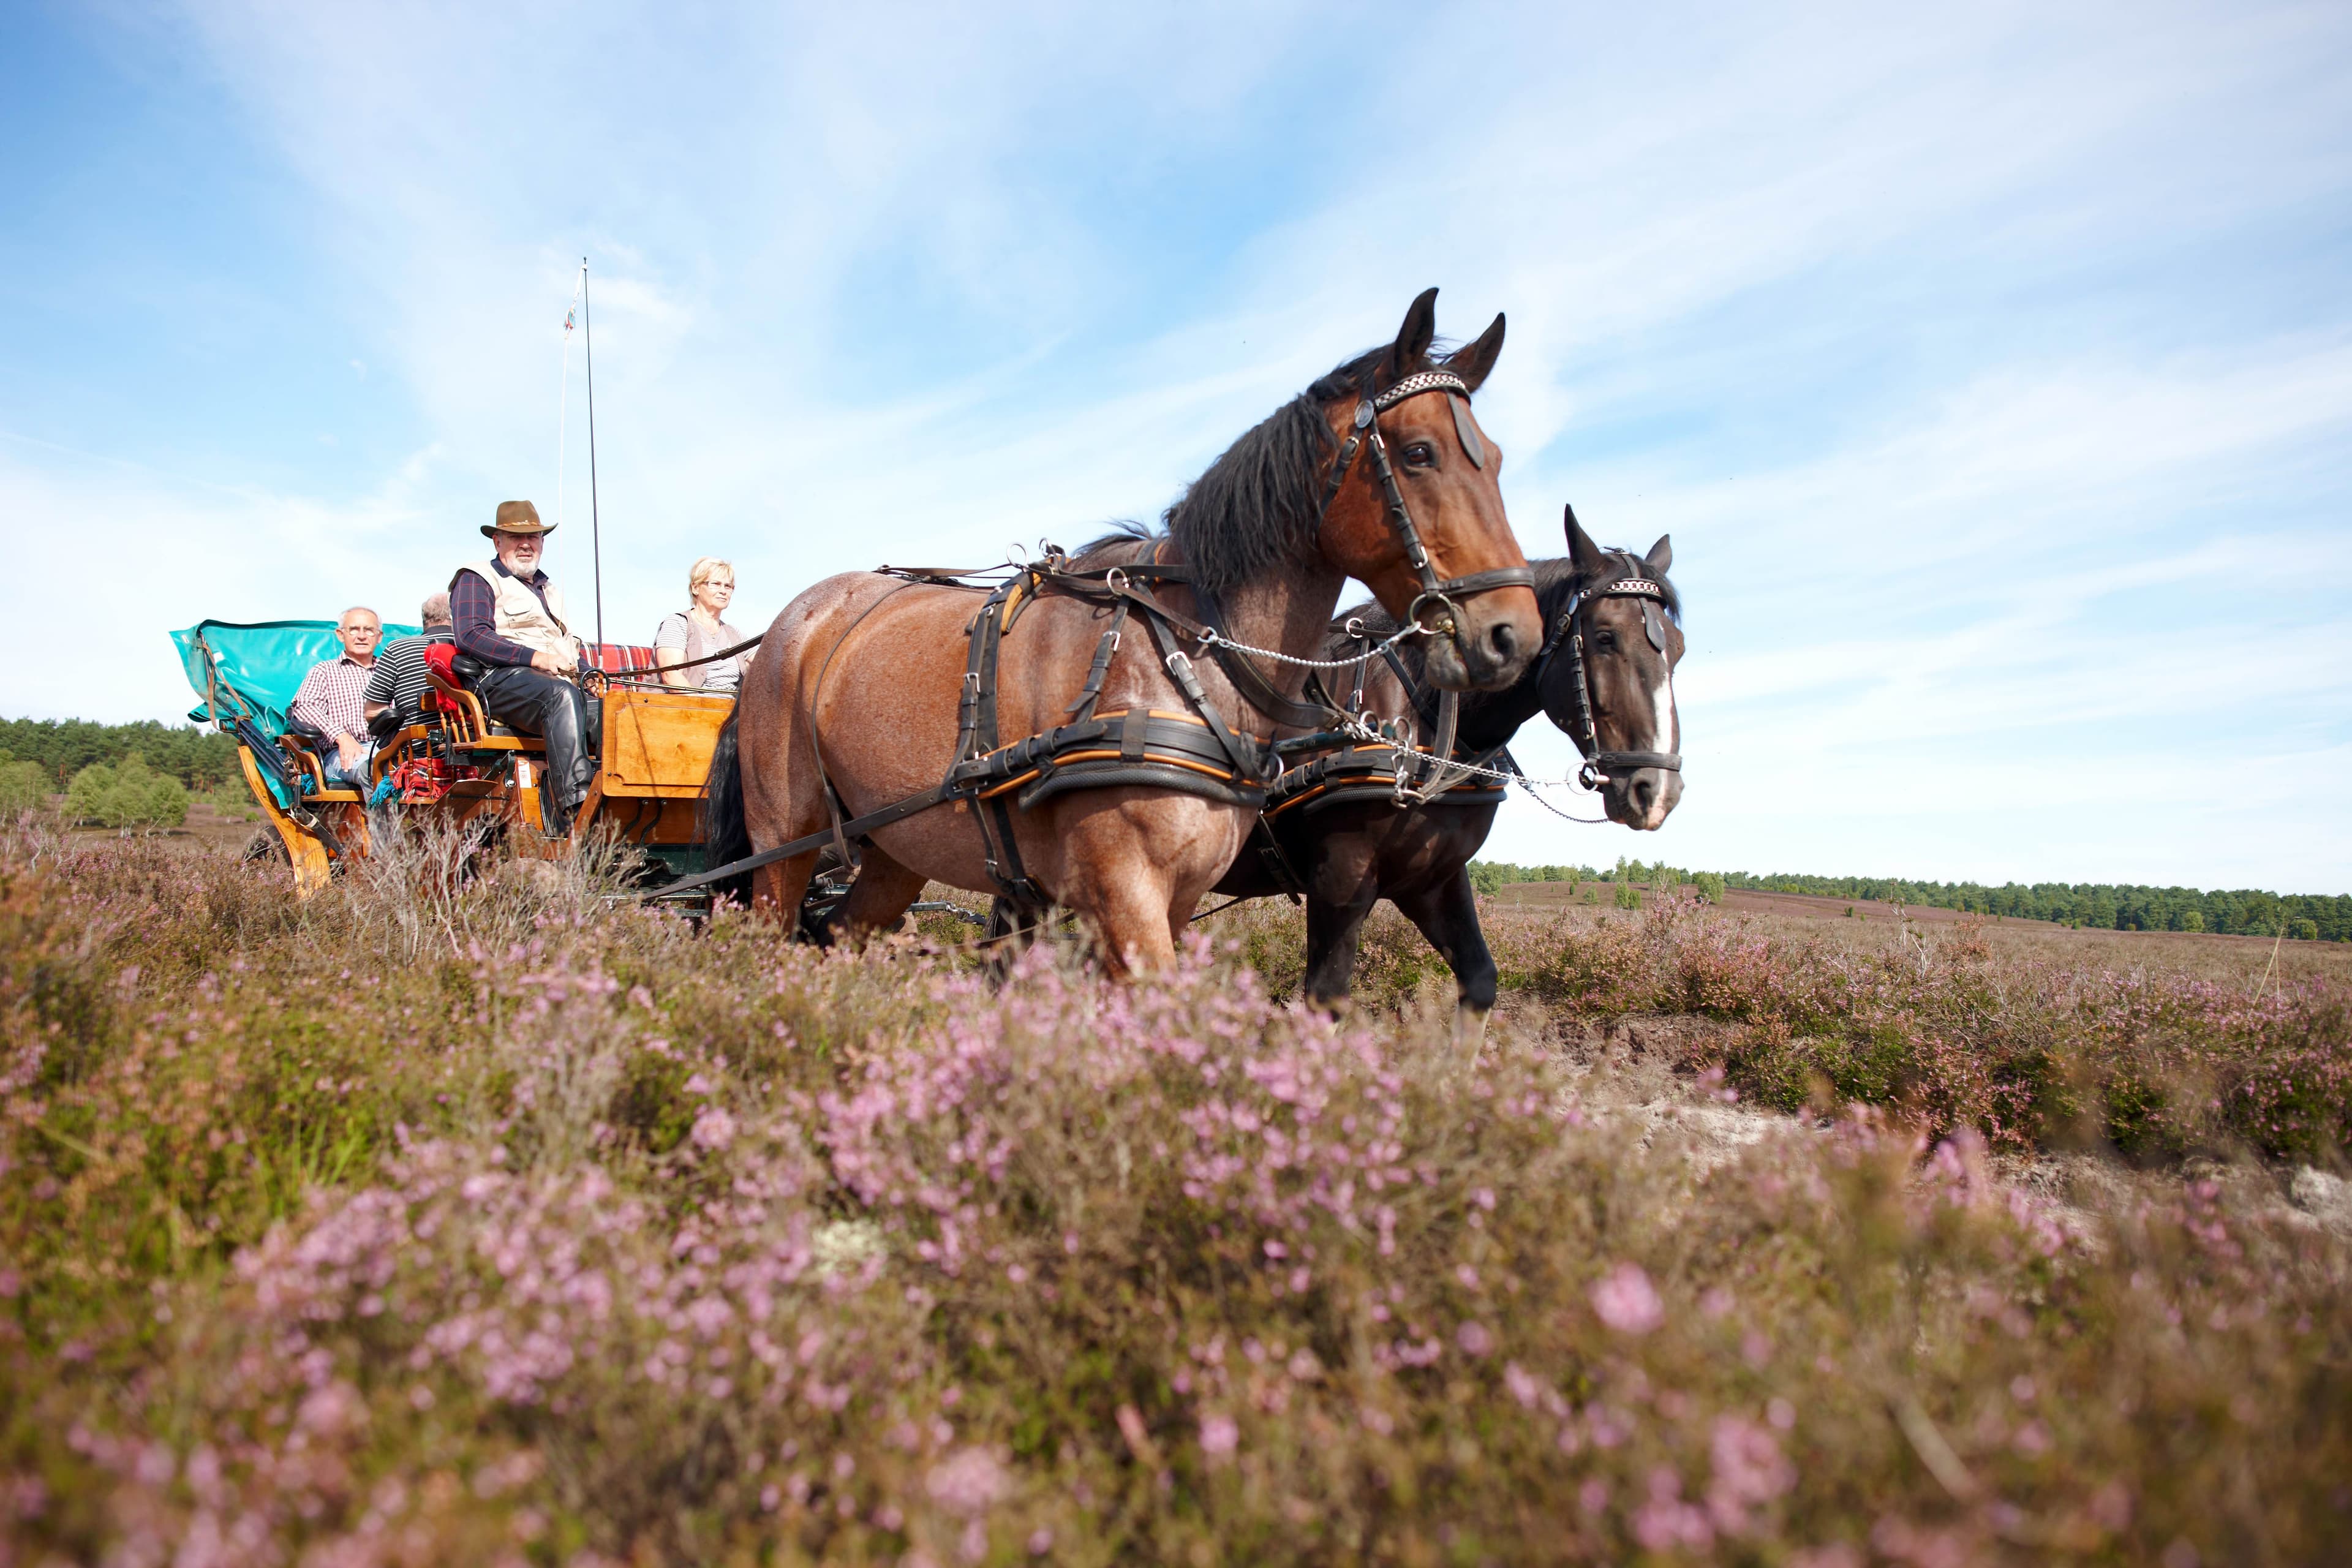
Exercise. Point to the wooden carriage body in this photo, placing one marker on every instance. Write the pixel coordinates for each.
(456, 767)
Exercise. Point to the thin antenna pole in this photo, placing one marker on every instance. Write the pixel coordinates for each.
(595, 522)
(563, 399)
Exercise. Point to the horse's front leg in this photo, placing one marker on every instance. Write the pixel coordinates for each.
(1126, 865)
(1342, 885)
(879, 898)
(1447, 914)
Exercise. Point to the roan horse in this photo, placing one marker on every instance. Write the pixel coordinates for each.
(863, 694)
(1605, 677)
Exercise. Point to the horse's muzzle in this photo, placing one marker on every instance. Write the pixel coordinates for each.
(1644, 798)
(1495, 636)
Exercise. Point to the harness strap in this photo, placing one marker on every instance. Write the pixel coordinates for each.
(1118, 583)
(1404, 679)
(1000, 848)
(1479, 582)
(1261, 693)
(1180, 668)
(1277, 864)
(856, 828)
(1084, 708)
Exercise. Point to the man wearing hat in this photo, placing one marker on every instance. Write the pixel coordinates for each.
(509, 618)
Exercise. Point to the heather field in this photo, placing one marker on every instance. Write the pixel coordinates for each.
(496, 1227)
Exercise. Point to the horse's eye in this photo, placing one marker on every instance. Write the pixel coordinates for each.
(1604, 642)
(1421, 455)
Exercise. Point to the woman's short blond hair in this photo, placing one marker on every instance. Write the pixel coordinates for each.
(707, 568)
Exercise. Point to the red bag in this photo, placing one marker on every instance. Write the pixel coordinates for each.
(422, 780)
(438, 658)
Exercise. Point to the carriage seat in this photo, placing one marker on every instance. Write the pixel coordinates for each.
(304, 749)
(461, 714)
(623, 659)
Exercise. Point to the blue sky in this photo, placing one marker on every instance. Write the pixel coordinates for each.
(1991, 370)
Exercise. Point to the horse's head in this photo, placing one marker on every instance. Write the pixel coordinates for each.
(1607, 676)
(1417, 515)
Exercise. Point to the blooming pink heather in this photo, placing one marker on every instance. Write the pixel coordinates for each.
(1627, 1301)
(714, 1129)
(969, 1481)
(1750, 1471)
(1665, 1521)
(1219, 1435)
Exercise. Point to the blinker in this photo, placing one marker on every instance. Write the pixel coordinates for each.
(1655, 624)
(1467, 428)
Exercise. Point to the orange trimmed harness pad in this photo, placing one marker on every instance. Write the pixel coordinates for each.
(1193, 753)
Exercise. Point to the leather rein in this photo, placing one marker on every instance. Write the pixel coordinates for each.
(1567, 633)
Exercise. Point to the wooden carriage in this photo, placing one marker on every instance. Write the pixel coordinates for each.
(454, 767)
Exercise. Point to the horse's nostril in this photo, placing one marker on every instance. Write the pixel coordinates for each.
(1644, 791)
(1505, 640)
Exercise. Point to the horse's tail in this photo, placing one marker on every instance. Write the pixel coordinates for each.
(726, 835)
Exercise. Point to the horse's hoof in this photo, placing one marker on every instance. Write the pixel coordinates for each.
(1470, 1030)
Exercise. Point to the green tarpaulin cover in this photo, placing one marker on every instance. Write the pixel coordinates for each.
(261, 665)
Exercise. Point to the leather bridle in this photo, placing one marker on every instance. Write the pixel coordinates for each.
(1440, 592)
(1366, 432)
(1632, 583)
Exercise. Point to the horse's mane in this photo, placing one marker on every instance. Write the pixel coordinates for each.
(1257, 507)
(1119, 547)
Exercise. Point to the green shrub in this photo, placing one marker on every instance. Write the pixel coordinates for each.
(24, 786)
(88, 795)
(1709, 885)
(1628, 895)
(2305, 931)
(131, 796)
(2192, 921)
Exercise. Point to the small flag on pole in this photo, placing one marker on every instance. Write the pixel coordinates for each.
(571, 319)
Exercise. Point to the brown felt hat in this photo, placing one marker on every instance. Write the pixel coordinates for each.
(517, 517)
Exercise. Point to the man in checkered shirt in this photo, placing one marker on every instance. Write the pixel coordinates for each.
(333, 699)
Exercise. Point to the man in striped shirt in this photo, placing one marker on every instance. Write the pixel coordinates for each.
(332, 701)
(400, 682)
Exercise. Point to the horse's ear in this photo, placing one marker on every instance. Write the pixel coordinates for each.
(1661, 556)
(1412, 339)
(1582, 554)
(1473, 360)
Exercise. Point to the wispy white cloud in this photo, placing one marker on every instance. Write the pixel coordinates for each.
(1938, 341)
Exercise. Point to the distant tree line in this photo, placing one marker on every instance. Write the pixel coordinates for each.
(2306, 917)
(1625, 879)
(2110, 907)
(197, 759)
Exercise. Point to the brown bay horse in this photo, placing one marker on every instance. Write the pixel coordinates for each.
(864, 685)
(1605, 678)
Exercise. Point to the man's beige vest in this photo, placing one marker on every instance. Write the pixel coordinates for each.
(519, 616)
